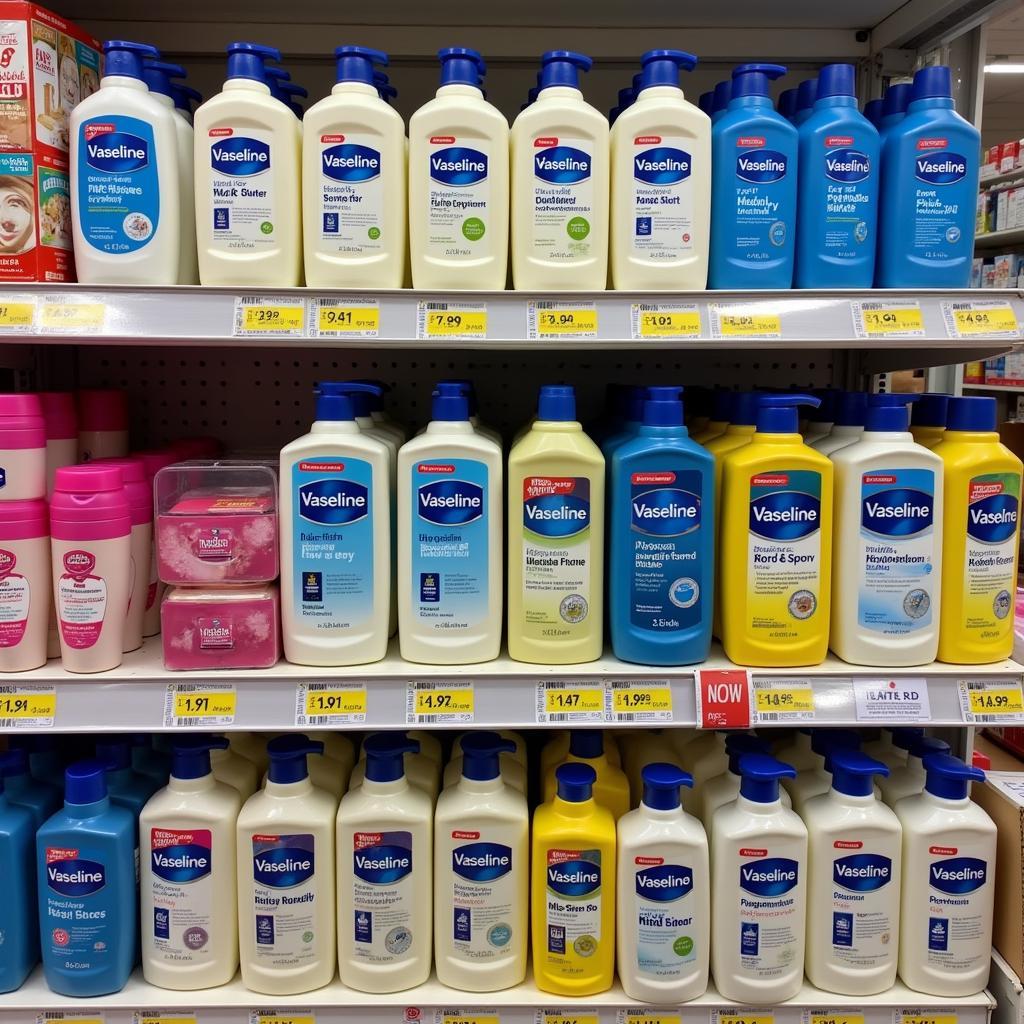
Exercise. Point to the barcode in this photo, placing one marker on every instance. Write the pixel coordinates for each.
(647, 307)
(559, 716)
(190, 723)
(977, 684)
(435, 305)
(621, 684)
(556, 686)
(316, 720)
(769, 716)
(625, 716)
(428, 719)
(763, 684)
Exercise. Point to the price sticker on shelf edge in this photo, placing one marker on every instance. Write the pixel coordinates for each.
(723, 698)
(163, 1017)
(451, 320)
(943, 1016)
(900, 318)
(740, 321)
(263, 315)
(572, 701)
(992, 318)
(664, 320)
(27, 707)
(782, 700)
(282, 1017)
(66, 316)
(344, 318)
(70, 1017)
(448, 1016)
(738, 1017)
(639, 700)
(438, 703)
(554, 320)
(325, 704)
(892, 700)
(641, 1016)
(565, 1017)
(17, 316)
(830, 1017)
(199, 705)
(990, 701)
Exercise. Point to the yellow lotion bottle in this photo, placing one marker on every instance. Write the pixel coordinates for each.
(776, 543)
(980, 527)
(573, 888)
(611, 788)
(555, 537)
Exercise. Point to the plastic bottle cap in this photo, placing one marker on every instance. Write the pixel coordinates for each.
(480, 755)
(562, 68)
(288, 757)
(787, 103)
(467, 389)
(973, 414)
(930, 410)
(982, 761)
(895, 100)
(190, 755)
(744, 408)
(21, 422)
(948, 777)
(157, 74)
(662, 67)
(102, 409)
(114, 754)
(903, 736)
(60, 414)
(89, 478)
(89, 502)
(587, 743)
(137, 487)
(720, 97)
(873, 111)
(385, 755)
(634, 403)
(931, 82)
(706, 102)
(184, 95)
(356, 63)
(888, 413)
(124, 59)
(836, 80)
(557, 403)
(737, 744)
(461, 66)
(854, 773)
(575, 782)
(753, 79)
(721, 405)
(760, 775)
(825, 741)
(806, 94)
(850, 409)
(246, 60)
(14, 763)
(22, 520)
(85, 782)
(663, 406)
(155, 459)
(450, 403)
(333, 404)
(661, 785)
(924, 746)
(777, 414)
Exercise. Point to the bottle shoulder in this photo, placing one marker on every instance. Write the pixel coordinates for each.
(573, 446)
(641, 448)
(353, 112)
(361, 807)
(452, 446)
(452, 112)
(503, 807)
(574, 118)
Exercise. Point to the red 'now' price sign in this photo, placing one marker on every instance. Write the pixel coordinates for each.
(723, 698)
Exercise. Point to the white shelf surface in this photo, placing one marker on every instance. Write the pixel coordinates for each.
(433, 1003)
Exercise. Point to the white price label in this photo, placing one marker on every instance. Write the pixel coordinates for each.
(892, 700)
(199, 705)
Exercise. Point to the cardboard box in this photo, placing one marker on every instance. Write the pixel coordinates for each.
(47, 66)
(1008, 153)
(974, 373)
(1002, 209)
(977, 264)
(1006, 268)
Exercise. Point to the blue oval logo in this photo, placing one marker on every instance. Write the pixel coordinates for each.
(847, 165)
(899, 512)
(663, 165)
(958, 875)
(182, 864)
(350, 163)
(862, 872)
(240, 157)
(992, 520)
(665, 512)
(769, 877)
(458, 166)
(75, 876)
(664, 883)
(940, 168)
(282, 867)
(481, 862)
(450, 502)
(556, 515)
(561, 165)
(117, 152)
(785, 515)
(382, 865)
(333, 502)
(761, 166)
(574, 878)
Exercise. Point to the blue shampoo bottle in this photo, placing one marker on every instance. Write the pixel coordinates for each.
(19, 915)
(21, 788)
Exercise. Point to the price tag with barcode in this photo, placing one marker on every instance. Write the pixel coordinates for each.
(642, 1016)
(267, 316)
(439, 703)
(990, 701)
(564, 1017)
(447, 1015)
(342, 318)
(830, 1017)
(744, 320)
(552, 321)
(199, 705)
(899, 318)
(638, 700)
(922, 1016)
(990, 318)
(17, 314)
(71, 1017)
(457, 320)
(67, 315)
(743, 1017)
(781, 700)
(282, 1016)
(668, 321)
(27, 707)
(163, 1017)
(318, 705)
(578, 701)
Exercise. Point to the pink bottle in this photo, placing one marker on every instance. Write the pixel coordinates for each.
(24, 584)
(154, 460)
(90, 530)
(102, 424)
(61, 418)
(22, 448)
(140, 507)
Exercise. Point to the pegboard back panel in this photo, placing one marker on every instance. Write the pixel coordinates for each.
(260, 398)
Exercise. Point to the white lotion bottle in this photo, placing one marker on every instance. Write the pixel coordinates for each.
(724, 788)
(812, 782)
(909, 779)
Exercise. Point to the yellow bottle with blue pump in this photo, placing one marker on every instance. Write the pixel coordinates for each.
(928, 419)
(776, 543)
(611, 788)
(573, 888)
(980, 527)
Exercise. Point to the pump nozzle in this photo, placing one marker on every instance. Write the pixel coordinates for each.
(948, 777)
(124, 59)
(738, 744)
(184, 95)
(480, 750)
(706, 102)
(806, 94)
(824, 742)
(157, 75)
(850, 409)
(190, 755)
(557, 402)
(661, 785)
(115, 754)
(360, 394)
(760, 775)
(888, 412)
(753, 79)
(720, 98)
(246, 60)
(356, 63)
(787, 103)
(461, 66)
(925, 746)
(777, 414)
(288, 757)
(385, 755)
(854, 773)
(450, 402)
(561, 68)
(662, 67)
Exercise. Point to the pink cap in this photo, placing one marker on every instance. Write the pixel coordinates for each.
(89, 503)
(102, 409)
(136, 486)
(21, 422)
(60, 414)
(154, 459)
(24, 520)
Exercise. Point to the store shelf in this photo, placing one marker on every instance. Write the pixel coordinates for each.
(995, 239)
(434, 1003)
(1017, 174)
(1004, 389)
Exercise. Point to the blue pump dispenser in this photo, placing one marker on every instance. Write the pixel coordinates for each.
(873, 112)
(461, 66)
(888, 413)
(38, 797)
(288, 758)
(949, 778)
(661, 784)
(853, 773)
(777, 414)
(894, 108)
(19, 915)
(123, 59)
(126, 787)
(632, 417)
(787, 104)
(480, 755)
(246, 60)
(760, 775)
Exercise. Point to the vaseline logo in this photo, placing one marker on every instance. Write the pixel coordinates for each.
(75, 877)
(940, 168)
(769, 877)
(181, 864)
(862, 872)
(992, 520)
(958, 875)
(847, 165)
(239, 157)
(282, 867)
(761, 166)
(350, 163)
(664, 165)
(562, 165)
(664, 883)
(574, 878)
(785, 515)
(458, 166)
(450, 502)
(482, 862)
(382, 865)
(333, 502)
(899, 512)
(556, 515)
(665, 512)
(117, 153)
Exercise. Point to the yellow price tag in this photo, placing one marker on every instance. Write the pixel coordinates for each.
(789, 698)
(567, 322)
(20, 705)
(72, 316)
(574, 701)
(333, 319)
(756, 325)
(640, 698)
(335, 702)
(441, 701)
(651, 1017)
(836, 1018)
(991, 320)
(283, 1018)
(257, 319)
(455, 322)
(163, 1018)
(201, 704)
(928, 1018)
(1002, 701)
(882, 319)
(568, 1018)
(668, 324)
(469, 1018)
(17, 314)
(70, 1017)
(746, 1018)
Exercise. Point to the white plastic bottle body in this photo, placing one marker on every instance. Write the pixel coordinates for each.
(188, 258)
(141, 546)
(353, 191)
(235, 771)
(723, 789)
(949, 864)
(664, 906)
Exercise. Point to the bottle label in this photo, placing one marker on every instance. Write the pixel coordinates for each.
(332, 542)
(214, 543)
(897, 551)
(783, 553)
(863, 902)
(563, 199)
(284, 897)
(959, 910)
(81, 600)
(762, 189)
(181, 894)
(449, 545)
(665, 589)
(15, 601)
(771, 912)
(351, 195)
(664, 908)
(944, 197)
(993, 501)
(662, 198)
(483, 896)
(118, 183)
(851, 188)
(76, 930)
(556, 555)
(243, 200)
(573, 904)
(459, 186)
(383, 896)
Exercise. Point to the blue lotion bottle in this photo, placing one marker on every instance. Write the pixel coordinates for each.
(873, 112)
(148, 761)
(19, 915)
(930, 169)
(125, 787)
(720, 100)
(88, 898)
(662, 529)
(44, 759)
(787, 104)
(22, 789)
(753, 187)
(837, 210)
(806, 93)
(633, 414)
(894, 109)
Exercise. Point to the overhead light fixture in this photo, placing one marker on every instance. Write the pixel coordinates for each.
(1005, 68)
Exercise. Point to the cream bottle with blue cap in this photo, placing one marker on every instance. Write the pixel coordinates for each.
(481, 873)
(724, 788)
(559, 212)
(814, 781)
(847, 422)
(188, 873)
(385, 871)
(127, 196)
(353, 181)
(909, 779)
(286, 911)
(663, 885)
